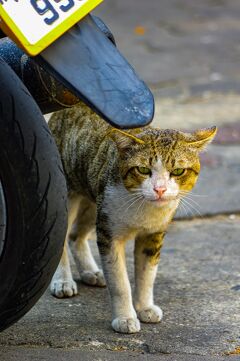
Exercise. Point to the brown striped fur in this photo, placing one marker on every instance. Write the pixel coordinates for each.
(102, 171)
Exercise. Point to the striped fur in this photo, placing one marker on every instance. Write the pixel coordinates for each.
(124, 183)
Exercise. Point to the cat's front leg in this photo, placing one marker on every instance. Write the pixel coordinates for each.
(147, 254)
(112, 253)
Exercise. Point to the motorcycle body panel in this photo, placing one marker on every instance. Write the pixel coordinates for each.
(89, 64)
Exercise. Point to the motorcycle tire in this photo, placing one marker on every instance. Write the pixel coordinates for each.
(33, 198)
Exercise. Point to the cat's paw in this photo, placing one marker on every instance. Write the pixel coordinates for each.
(126, 325)
(93, 278)
(63, 289)
(152, 314)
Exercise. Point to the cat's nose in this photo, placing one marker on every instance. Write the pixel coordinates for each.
(160, 190)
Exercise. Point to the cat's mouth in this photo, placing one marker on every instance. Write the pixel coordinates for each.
(163, 200)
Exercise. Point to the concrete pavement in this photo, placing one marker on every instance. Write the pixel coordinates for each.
(198, 289)
(50, 354)
(188, 52)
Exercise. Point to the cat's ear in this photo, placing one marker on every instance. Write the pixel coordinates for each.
(123, 139)
(201, 138)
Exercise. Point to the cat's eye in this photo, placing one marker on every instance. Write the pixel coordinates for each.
(144, 170)
(178, 172)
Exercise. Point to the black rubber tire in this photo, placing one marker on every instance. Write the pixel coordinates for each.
(35, 195)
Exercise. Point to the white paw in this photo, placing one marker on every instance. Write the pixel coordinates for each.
(152, 314)
(62, 289)
(126, 325)
(93, 278)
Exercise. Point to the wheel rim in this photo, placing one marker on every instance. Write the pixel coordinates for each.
(3, 219)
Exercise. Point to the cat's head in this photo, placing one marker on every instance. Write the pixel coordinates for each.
(160, 165)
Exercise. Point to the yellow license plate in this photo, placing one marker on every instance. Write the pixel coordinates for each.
(35, 24)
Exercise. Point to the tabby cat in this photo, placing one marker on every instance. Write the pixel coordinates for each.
(128, 185)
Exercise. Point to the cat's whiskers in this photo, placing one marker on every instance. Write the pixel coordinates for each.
(182, 192)
(183, 207)
(129, 197)
(190, 206)
(125, 201)
(188, 197)
(127, 205)
(131, 204)
(187, 208)
(141, 206)
(132, 199)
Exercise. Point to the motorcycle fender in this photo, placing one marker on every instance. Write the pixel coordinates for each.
(90, 65)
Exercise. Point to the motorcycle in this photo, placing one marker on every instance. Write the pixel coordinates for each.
(62, 56)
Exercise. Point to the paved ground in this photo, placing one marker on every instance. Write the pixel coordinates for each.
(188, 52)
(198, 289)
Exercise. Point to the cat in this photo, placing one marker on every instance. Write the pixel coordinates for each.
(128, 184)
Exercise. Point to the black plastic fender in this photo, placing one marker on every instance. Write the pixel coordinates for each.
(88, 63)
